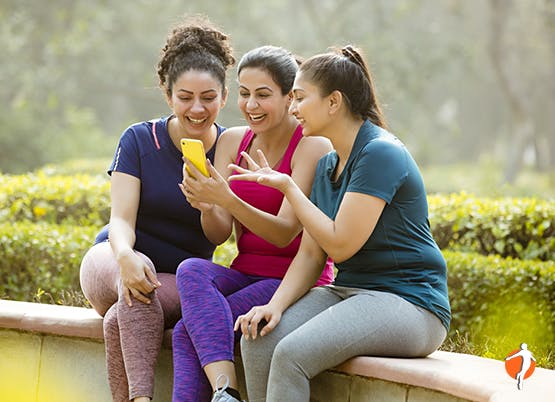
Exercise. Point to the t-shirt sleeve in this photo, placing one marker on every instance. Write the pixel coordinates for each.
(127, 158)
(379, 170)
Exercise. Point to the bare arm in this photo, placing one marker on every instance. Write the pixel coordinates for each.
(138, 279)
(278, 229)
(340, 238)
(302, 274)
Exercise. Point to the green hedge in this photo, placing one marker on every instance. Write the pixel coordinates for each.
(501, 302)
(75, 200)
(43, 257)
(510, 227)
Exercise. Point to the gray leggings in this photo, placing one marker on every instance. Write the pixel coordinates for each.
(328, 326)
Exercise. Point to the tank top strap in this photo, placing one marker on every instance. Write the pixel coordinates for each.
(244, 145)
(285, 165)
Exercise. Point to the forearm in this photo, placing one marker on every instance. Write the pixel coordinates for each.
(274, 229)
(314, 221)
(301, 276)
(216, 224)
(122, 237)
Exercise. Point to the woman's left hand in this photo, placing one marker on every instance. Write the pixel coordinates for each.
(204, 192)
(248, 323)
(261, 173)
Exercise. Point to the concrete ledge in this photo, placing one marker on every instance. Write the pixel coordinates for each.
(56, 353)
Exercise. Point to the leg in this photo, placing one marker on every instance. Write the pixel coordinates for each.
(390, 326)
(189, 381)
(132, 335)
(203, 288)
(257, 354)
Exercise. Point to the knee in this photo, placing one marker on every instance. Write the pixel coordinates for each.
(191, 267)
(287, 353)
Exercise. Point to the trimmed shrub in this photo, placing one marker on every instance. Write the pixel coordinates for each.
(510, 227)
(82, 200)
(41, 261)
(500, 303)
(39, 257)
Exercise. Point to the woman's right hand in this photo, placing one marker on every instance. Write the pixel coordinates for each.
(248, 323)
(137, 278)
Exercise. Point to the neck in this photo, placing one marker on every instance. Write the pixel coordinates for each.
(343, 133)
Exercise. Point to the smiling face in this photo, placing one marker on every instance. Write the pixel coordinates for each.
(260, 100)
(196, 99)
(309, 107)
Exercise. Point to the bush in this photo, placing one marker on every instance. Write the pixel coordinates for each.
(41, 261)
(41, 257)
(499, 303)
(74, 200)
(510, 227)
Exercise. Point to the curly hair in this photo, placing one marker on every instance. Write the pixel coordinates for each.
(194, 44)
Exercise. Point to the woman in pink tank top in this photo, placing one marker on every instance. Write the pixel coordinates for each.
(267, 231)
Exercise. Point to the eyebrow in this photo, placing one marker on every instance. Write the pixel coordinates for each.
(295, 90)
(192, 93)
(257, 89)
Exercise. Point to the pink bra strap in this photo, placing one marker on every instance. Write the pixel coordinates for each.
(154, 134)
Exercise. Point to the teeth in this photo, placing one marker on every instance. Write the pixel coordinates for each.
(195, 121)
(256, 116)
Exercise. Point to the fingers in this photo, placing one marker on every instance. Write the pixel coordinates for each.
(127, 296)
(139, 296)
(248, 323)
(153, 278)
(263, 160)
(252, 164)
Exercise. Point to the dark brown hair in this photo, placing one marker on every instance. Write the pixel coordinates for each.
(194, 44)
(346, 71)
(278, 62)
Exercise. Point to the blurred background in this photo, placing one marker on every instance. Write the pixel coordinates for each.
(468, 85)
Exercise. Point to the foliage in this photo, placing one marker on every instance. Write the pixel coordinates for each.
(78, 200)
(77, 75)
(499, 303)
(41, 256)
(511, 227)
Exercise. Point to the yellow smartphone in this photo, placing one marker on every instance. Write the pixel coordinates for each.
(193, 150)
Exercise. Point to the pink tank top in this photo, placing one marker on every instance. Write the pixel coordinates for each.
(257, 256)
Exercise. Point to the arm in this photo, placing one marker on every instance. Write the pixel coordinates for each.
(303, 272)
(340, 238)
(278, 229)
(137, 277)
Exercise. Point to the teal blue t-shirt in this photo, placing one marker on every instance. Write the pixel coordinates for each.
(400, 256)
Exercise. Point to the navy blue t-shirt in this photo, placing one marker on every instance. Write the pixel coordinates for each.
(168, 229)
(400, 256)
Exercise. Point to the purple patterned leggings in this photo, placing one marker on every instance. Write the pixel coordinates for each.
(212, 297)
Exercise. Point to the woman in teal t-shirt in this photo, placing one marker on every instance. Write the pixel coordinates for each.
(367, 211)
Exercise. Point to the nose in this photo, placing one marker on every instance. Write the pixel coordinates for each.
(197, 106)
(293, 108)
(251, 103)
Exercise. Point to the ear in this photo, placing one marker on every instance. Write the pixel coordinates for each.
(289, 99)
(225, 92)
(335, 100)
(168, 97)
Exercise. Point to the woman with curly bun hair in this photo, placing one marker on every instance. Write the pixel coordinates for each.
(368, 211)
(128, 276)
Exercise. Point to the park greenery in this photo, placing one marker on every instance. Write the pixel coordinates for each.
(466, 84)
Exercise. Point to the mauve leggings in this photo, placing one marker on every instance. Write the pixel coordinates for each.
(212, 297)
(132, 335)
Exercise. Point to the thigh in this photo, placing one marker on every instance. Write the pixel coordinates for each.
(370, 323)
(314, 302)
(99, 276)
(169, 299)
(201, 274)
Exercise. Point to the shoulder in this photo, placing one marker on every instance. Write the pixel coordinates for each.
(229, 140)
(384, 146)
(317, 146)
(232, 135)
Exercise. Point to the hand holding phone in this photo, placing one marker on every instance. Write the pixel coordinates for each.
(193, 150)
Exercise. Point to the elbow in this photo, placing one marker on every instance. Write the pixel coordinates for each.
(339, 253)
